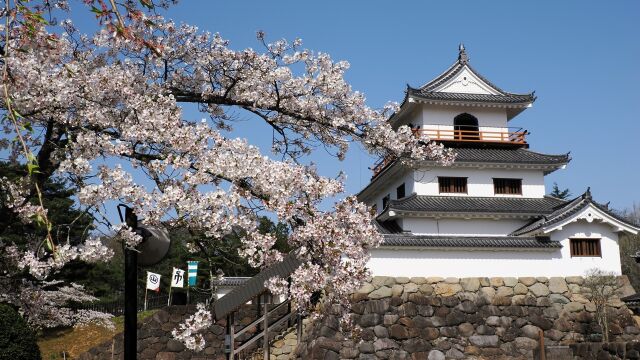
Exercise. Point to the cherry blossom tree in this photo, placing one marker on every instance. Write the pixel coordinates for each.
(76, 104)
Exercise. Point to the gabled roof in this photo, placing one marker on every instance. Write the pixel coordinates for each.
(574, 210)
(444, 90)
(489, 242)
(440, 88)
(474, 205)
(506, 98)
(254, 286)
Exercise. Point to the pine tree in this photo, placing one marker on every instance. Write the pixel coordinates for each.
(560, 194)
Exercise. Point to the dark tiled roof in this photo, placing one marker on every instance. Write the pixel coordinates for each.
(569, 209)
(508, 156)
(254, 286)
(484, 98)
(388, 227)
(473, 204)
(410, 240)
(632, 300)
(231, 281)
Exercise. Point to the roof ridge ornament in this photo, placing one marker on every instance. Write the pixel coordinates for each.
(463, 58)
(587, 195)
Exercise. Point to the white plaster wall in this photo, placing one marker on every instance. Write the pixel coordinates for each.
(471, 263)
(610, 260)
(480, 181)
(471, 227)
(391, 189)
(439, 115)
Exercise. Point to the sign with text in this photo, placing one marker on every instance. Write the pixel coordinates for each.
(177, 279)
(153, 281)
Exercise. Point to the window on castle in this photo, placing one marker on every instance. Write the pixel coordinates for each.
(507, 186)
(465, 127)
(400, 192)
(452, 184)
(585, 247)
(385, 201)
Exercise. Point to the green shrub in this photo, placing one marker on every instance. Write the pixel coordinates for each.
(17, 340)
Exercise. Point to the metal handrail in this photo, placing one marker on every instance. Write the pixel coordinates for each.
(267, 328)
(257, 321)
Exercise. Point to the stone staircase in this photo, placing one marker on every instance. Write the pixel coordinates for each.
(282, 347)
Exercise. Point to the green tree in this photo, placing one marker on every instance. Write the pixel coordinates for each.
(630, 245)
(70, 224)
(560, 194)
(17, 340)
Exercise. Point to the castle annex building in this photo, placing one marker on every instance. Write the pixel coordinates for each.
(487, 214)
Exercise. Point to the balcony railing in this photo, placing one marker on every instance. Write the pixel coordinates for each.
(472, 135)
(505, 136)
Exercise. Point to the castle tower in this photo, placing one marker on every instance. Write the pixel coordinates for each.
(487, 214)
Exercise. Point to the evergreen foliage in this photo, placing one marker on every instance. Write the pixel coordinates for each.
(70, 224)
(17, 340)
(560, 194)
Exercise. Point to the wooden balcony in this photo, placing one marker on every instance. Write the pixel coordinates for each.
(505, 136)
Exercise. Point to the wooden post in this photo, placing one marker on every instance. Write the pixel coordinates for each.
(145, 299)
(265, 337)
(290, 321)
(230, 337)
(543, 355)
(299, 328)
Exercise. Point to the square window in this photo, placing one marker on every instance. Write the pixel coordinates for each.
(385, 201)
(507, 186)
(400, 192)
(585, 248)
(452, 184)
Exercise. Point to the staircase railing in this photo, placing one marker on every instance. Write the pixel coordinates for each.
(236, 348)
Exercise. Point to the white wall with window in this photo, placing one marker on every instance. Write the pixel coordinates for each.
(503, 262)
(480, 182)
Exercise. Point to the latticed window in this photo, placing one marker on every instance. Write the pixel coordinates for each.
(507, 186)
(585, 247)
(452, 184)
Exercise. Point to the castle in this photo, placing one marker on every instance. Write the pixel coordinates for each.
(487, 214)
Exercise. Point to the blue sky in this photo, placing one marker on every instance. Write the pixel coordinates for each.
(579, 57)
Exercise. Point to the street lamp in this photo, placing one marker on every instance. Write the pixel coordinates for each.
(153, 248)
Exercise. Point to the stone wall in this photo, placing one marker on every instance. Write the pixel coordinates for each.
(155, 341)
(471, 318)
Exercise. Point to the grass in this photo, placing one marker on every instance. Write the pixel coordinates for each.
(74, 341)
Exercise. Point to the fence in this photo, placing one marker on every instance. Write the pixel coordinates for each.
(154, 301)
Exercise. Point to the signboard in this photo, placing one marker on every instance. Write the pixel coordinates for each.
(153, 281)
(192, 267)
(177, 279)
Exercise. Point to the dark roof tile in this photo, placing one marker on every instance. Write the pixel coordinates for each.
(508, 156)
(569, 209)
(484, 98)
(473, 204)
(410, 240)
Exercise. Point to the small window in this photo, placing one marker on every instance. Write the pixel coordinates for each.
(585, 247)
(385, 201)
(400, 191)
(452, 184)
(507, 186)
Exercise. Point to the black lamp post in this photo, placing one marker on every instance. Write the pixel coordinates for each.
(153, 248)
(130, 290)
